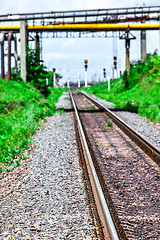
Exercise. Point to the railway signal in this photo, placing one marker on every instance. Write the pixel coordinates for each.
(104, 74)
(54, 77)
(114, 69)
(115, 62)
(86, 66)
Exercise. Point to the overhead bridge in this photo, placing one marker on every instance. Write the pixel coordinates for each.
(84, 27)
(89, 21)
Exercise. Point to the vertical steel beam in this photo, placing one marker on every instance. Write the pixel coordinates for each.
(23, 50)
(9, 56)
(37, 43)
(127, 55)
(143, 45)
(2, 61)
(37, 40)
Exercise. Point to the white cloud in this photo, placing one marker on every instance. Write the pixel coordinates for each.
(55, 55)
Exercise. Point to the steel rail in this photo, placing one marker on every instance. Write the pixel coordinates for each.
(84, 27)
(150, 149)
(104, 213)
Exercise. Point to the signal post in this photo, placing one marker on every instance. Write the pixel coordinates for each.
(86, 66)
(54, 77)
(114, 67)
(104, 74)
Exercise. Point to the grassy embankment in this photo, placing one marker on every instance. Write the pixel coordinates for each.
(140, 90)
(21, 108)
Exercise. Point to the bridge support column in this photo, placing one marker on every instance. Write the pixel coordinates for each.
(2, 60)
(37, 43)
(9, 56)
(127, 55)
(15, 55)
(143, 45)
(23, 50)
(37, 40)
(128, 37)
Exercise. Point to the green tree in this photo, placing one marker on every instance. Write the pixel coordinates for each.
(36, 71)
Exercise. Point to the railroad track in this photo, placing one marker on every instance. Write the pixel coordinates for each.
(123, 169)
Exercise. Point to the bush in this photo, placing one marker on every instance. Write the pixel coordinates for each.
(36, 72)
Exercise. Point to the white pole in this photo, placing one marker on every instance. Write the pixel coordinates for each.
(47, 81)
(113, 72)
(68, 80)
(86, 79)
(79, 83)
(108, 83)
(54, 79)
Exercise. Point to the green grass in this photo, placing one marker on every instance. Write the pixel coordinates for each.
(140, 90)
(21, 108)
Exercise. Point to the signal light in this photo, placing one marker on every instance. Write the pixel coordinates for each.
(54, 69)
(104, 72)
(115, 62)
(86, 62)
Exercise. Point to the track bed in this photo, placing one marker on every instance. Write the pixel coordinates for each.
(129, 178)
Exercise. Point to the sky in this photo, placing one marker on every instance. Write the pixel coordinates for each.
(67, 55)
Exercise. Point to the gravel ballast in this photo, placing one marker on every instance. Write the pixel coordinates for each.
(45, 198)
(149, 130)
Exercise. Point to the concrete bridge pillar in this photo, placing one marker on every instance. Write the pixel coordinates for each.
(23, 50)
(143, 45)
